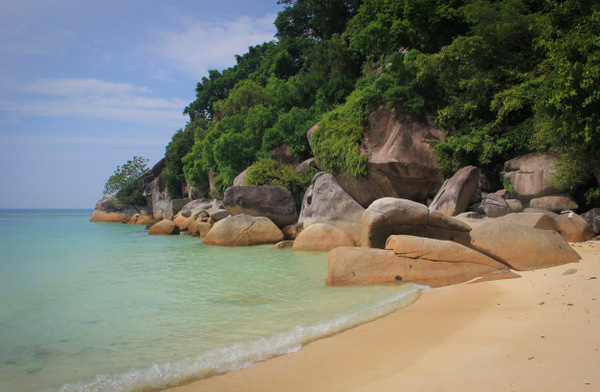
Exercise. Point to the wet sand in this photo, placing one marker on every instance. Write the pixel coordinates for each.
(540, 332)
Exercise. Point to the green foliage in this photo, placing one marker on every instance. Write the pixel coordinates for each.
(508, 185)
(383, 27)
(268, 171)
(180, 145)
(568, 108)
(337, 139)
(500, 77)
(316, 19)
(128, 182)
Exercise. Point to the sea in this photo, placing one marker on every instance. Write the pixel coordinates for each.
(106, 307)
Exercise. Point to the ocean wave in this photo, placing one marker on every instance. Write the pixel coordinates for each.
(239, 355)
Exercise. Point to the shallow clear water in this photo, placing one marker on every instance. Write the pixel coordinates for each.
(105, 307)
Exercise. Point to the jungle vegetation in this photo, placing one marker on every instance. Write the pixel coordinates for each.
(500, 77)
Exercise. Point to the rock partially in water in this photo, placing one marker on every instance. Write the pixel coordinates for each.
(243, 230)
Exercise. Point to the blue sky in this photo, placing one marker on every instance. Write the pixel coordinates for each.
(86, 85)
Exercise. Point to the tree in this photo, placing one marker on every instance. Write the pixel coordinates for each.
(568, 111)
(128, 182)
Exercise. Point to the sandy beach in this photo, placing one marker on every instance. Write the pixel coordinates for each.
(540, 332)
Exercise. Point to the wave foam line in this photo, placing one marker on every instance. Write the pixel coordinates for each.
(239, 355)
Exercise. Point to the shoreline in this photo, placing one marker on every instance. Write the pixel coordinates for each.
(537, 332)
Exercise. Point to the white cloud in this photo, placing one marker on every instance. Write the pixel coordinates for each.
(201, 46)
(79, 140)
(79, 87)
(97, 99)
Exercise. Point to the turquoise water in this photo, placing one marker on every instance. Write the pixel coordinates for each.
(105, 307)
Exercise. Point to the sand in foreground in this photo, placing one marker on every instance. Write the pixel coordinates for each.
(540, 332)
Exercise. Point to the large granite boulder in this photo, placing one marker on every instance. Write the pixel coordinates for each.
(431, 249)
(521, 248)
(142, 219)
(274, 202)
(201, 229)
(216, 214)
(389, 216)
(457, 192)
(401, 164)
(362, 266)
(592, 217)
(322, 237)
(574, 228)
(326, 202)
(164, 227)
(555, 203)
(494, 206)
(240, 178)
(196, 205)
(158, 197)
(243, 230)
(109, 210)
(182, 222)
(529, 174)
(535, 220)
(163, 207)
(305, 165)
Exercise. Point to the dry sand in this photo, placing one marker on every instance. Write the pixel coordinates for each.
(540, 332)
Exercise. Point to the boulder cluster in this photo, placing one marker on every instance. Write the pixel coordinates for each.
(397, 223)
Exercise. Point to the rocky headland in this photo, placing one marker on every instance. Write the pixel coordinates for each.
(400, 222)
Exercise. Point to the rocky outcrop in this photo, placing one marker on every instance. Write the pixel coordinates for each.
(240, 178)
(305, 165)
(164, 227)
(515, 205)
(276, 203)
(326, 202)
(292, 231)
(142, 219)
(592, 217)
(158, 197)
(362, 266)
(555, 203)
(216, 214)
(574, 228)
(201, 229)
(163, 207)
(529, 174)
(322, 237)
(285, 244)
(182, 222)
(534, 220)
(401, 164)
(521, 248)
(243, 230)
(438, 250)
(494, 206)
(109, 210)
(457, 192)
(196, 205)
(389, 216)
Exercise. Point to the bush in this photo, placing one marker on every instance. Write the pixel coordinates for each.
(268, 171)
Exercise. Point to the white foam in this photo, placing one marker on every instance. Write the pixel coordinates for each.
(241, 355)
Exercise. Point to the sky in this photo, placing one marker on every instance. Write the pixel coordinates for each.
(86, 85)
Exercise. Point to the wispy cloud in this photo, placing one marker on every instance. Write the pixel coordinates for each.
(197, 47)
(93, 98)
(80, 87)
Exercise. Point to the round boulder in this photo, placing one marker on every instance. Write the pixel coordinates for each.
(243, 230)
(164, 227)
(322, 237)
(274, 202)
